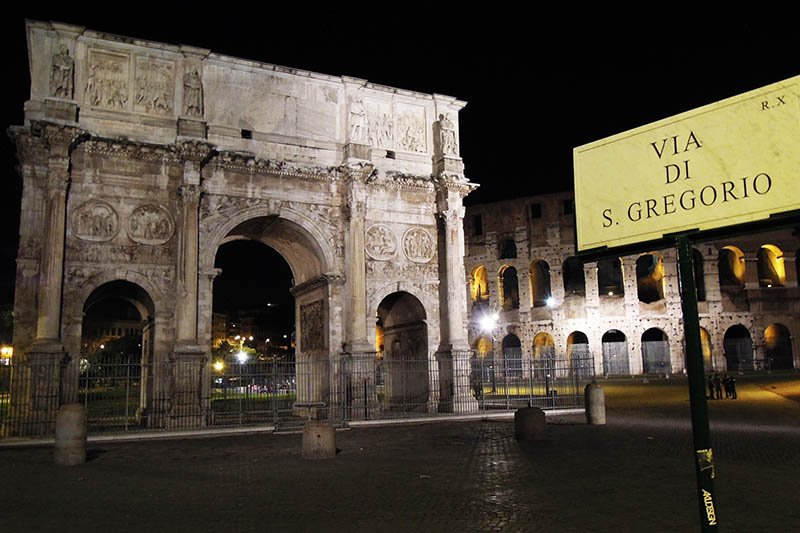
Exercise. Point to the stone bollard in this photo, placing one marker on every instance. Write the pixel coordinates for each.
(595, 404)
(70, 446)
(529, 423)
(319, 440)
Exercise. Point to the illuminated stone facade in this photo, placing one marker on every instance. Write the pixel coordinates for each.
(141, 159)
(625, 312)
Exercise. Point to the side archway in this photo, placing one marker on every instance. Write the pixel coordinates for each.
(738, 344)
(655, 352)
(615, 353)
(778, 347)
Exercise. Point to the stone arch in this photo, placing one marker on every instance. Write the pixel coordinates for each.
(731, 267)
(479, 285)
(483, 347)
(778, 347)
(579, 355)
(509, 288)
(707, 350)
(144, 374)
(738, 345)
(650, 278)
(574, 279)
(655, 352)
(615, 353)
(540, 282)
(405, 365)
(294, 222)
(699, 274)
(429, 304)
(609, 277)
(771, 269)
(512, 356)
(544, 347)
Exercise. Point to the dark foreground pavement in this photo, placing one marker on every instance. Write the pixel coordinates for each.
(635, 474)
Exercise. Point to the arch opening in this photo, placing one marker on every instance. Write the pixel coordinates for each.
(116, 368)
(609, 277)
(771, 269)
(402, 383)
(650, 278)
(615, 353)
(574, 279)
(778, 347)
(512, 356)
(509, 288)
(731, 268)
(479, 286)
(738, 345)
(540, 283)
(655, 352)
(580, 357)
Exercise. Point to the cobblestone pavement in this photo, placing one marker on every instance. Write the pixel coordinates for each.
(634, 474)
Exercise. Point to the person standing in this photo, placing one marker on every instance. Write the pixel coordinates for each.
(733, 387)
(710, 387)
(718, 386)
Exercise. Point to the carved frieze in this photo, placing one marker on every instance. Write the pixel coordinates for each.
(216, 204)
(107, 80)
(95, 220)
(312, 322)
(411, 128)
(418, 245)
(107, 253)
(380, 243)
(396, 270)
(154, 88)
(150, 224)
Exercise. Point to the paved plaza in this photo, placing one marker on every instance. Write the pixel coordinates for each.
(634, 474)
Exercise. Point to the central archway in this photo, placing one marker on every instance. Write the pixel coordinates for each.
(308, 378)
(403, 383)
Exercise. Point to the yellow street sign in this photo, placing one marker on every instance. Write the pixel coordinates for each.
(727, 163)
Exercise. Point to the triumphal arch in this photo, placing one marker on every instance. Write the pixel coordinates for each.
(140, 159)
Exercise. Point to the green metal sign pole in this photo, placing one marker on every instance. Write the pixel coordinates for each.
(704, 457)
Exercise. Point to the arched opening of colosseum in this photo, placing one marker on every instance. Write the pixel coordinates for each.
(574, 282)
(609, 277)
(705, 346)
(509, 288)
(580, 358)
(544, 355)
(512, 356)
(650, 278)
(778, 347)
(540, 283)
(508, 249)
(615, 353)
(699, 275)
(655, 352)
(738, 345)
(731, 266)
(405, 363)
(482, 364)
(119, 379)
(771, 270)
(479, 286)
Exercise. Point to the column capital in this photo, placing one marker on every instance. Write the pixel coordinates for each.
(195, 151)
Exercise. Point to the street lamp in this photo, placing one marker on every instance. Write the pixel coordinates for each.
(488, 322)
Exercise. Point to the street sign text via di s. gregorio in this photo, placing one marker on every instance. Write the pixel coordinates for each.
(727, 163)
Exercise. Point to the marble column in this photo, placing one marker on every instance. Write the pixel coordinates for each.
(454, 352)
(46, 354)
(190, 373)
(356, 322)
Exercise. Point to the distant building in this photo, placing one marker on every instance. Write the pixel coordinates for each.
(624, 312)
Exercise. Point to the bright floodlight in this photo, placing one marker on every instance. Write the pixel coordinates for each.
(551, 302)
(488, 322)
(219, 366)
(242, 357)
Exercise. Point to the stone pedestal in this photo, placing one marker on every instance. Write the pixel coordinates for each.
(529, 424)
(454, 382)
(40, 383)
(319, 440)
(70, 441)
(358, 152)
(595, 403)
(192, 127)
(61, 110)
(189, 384)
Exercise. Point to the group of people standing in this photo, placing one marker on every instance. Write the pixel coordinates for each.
(716, 383)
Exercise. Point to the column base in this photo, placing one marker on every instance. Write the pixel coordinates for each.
(189, 399)
(190, 127)
(61, 110)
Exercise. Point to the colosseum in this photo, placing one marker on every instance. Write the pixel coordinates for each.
(532, 298)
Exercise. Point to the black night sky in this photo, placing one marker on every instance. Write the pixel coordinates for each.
(536, 84)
